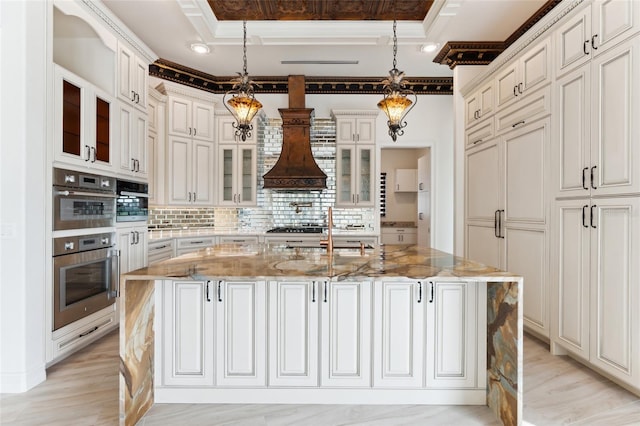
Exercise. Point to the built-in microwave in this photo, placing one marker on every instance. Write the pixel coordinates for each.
(132, 202)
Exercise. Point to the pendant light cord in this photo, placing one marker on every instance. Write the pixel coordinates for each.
(244, 46)
(395, 44)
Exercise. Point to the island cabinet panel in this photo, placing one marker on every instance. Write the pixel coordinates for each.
(240, 333)
(398, 356)
(452, 336)
(188, 334)
(346, 334)
(293, 333)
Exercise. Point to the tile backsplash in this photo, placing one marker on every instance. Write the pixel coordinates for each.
(275, 208)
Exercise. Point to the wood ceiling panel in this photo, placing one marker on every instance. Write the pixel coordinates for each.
(311, 10)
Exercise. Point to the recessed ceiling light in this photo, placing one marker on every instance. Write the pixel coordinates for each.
(200, 48)
(429, 47)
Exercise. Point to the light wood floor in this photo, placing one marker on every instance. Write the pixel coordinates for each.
(83, 390)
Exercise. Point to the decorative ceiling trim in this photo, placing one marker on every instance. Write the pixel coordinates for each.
(171, 71)
(455, 53)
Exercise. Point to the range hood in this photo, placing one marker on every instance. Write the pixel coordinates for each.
(296, 168)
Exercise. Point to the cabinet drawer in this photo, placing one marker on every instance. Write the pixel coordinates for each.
(354, 241)
(529, 108)
(240, 240)
(160, 250)
(480, 133)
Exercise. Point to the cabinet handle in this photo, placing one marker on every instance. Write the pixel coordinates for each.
(584, 180)
(325, 291)
(137, 97)
(196, 242)
(591, 218)
(137, 165)
(189, 196)
(189, 131)
(496, 214)
(353, 198)
(353, 137)
(195, 131)
(584, 214)
(593, 42)
(474, 142)
(420, 184)
(357, 198)
(194, 197)
(592, 170)
(93, 157)
(419, 291)
(133, 96)
(514, 91)
(207, 291)
(88, 149)
(584, 47)
(432, 292)
(133, 165)
(501, 234)
(133, 238)
(235, 196)
(520, 88)
(88, 332)
(219, 291)
(313, 292)
(137, 237)
(420, 216)
(517, 124)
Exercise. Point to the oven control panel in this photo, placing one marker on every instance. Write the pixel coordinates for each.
(77, 244)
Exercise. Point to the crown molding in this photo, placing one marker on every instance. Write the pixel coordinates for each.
(177, 73)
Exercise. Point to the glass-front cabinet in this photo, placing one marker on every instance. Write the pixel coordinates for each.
(237, 175)
(355, 175)
(84, 120)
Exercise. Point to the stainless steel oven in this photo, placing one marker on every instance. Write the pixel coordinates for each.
(85, 278)
(82, 200)
(132, 204)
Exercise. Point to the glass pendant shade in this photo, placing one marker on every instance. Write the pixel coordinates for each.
(395, 106)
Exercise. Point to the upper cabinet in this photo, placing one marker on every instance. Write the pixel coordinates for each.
(480, 104)
(236, 179)
(406, 180)
(530, 71)
(226, 131)
(190, 117)
(593, 31)
(84, 122)
(355, 126)
(132, 78)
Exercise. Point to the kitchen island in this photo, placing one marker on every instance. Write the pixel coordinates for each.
(258, 324)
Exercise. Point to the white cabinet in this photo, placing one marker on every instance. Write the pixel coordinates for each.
(190, 180)
(593, 30)
(424, 173)
(399, 235)
(156, 145)
(480, 104)
(597, 275)
(227, 132)
(159, 250)
(238, 239)
(189, 245)
(293, 333)
(530, 71)
(134, 156)
(355, 126)
(85, 123)
(354, 241)
(346, 334)
(295, 240)
(240, 333)
(190, 117)
(133, 245)
(187, 333)
(355, 177)
(506, 212)
(452, 335)
(236, 179)
(399, 331)
(406, 180)
(596, 126)
(132, 78)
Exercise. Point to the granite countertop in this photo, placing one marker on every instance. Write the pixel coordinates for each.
(262, 261)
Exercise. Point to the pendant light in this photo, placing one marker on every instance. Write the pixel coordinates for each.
(242, 103)
(396, 102)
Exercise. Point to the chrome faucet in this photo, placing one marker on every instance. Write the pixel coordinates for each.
(329, 241)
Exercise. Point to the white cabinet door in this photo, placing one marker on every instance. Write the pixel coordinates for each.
(398, 357)
(406, 180)
(615, 294)
(126, 86)
(572, 276)
(202, 187)
(293, 333)
(483, 244)
(179, 116)
(179, 179)
(237, 175)
(203, 127)
(615, 131)
(141, 72)
(188, 334)
(506, 85)
(452, 335)
(133, 141)
(424, 173)
(240, 333)
(346, 334)
(366, 130)
(226, 132)
(346, 130)
(483, 182)
(613, 21)
(365, 179)
(345, 175)
(572, 42)
(535, 67)
(132, 243)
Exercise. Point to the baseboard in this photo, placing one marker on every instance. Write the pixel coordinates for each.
(22, 382)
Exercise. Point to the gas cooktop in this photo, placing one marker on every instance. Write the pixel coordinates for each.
(311, 229)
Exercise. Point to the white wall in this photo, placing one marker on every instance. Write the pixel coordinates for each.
(23, 98)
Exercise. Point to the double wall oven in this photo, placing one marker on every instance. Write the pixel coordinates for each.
(85, 264)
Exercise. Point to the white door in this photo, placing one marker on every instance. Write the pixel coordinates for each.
(345, 177)
(202, 188)
(140, 151)
(366, 130)
(506, 84)
(179, 159)
(346, 334)
(180, 116)
(202, 121)
(615, 294)
(246, 175)
(483, 244)
(615, 131)
(126, 119)
(451, 335)
(572, 42)
(424, 219)
(126, 239)
(141, 250)
(346, 130)
(126, 87)
(398, 359)
(188, 334)
(571, 149)
(483, 182)
(365, 178)
(613, 21)
(240, 333)
(140, 71)
(293, 333)
(572, 275)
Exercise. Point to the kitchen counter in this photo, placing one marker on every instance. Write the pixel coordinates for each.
(261, 263)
